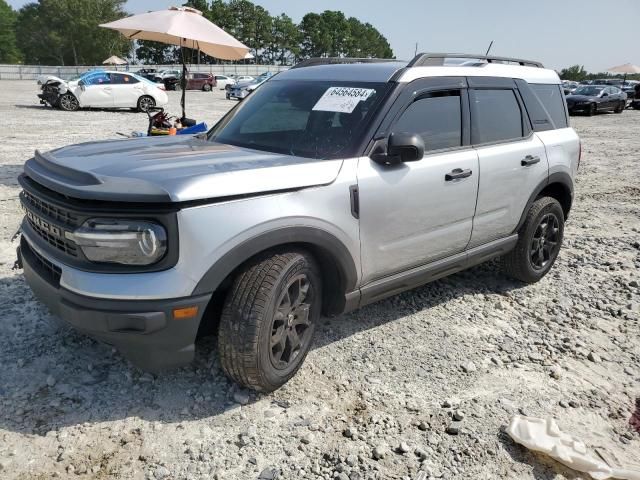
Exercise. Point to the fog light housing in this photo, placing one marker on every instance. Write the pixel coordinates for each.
(126, 242)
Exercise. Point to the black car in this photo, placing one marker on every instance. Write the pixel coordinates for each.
(148, 73)
(592, 99)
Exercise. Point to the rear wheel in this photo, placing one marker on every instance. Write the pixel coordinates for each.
(145, 102)
(206, 87)
(593, 109)
(620, 108)
(539, 242)
(68, 102)
(268, 320)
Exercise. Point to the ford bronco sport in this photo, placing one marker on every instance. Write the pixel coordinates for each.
(335, 184)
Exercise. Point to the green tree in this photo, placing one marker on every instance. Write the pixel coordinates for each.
(9, 53)
(285, 40)
(576, 73)
(66, 31)
(331, 34)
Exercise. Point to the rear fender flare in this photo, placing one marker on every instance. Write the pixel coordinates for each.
(562, 178)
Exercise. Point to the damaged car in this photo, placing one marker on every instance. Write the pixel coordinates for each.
(102, 89)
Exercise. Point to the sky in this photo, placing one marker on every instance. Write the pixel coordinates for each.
(594, 33)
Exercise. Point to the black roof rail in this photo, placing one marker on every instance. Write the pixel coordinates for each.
(438, 59)
(311, 62)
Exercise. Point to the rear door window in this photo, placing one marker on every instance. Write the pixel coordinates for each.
(123, 79)
(495, 116)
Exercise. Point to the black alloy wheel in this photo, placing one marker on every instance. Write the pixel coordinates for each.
(546, 242)
(291, 323)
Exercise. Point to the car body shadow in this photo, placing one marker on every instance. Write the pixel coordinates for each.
(53, 376)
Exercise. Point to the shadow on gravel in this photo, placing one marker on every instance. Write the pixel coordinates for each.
(483, 279)
(53, 377)
(9, 174)
(543, 467)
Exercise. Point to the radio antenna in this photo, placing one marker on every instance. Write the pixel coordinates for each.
(490, 45)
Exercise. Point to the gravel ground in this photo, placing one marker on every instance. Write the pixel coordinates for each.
(422, 382)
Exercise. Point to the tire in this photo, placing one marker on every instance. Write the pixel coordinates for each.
(531, 259)
(206, 87)
(593, 109)
(620, 108)
(68, 102)
(259, 328)
(145, 102)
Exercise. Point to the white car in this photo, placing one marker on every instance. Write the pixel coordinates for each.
(222, 81)
(164, 74)
(102, 89)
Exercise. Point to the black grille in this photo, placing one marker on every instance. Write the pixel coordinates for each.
(61, 244)
(51, 272)
(63, 219)
(58, 214)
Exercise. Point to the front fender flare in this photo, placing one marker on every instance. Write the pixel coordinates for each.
(331, 248)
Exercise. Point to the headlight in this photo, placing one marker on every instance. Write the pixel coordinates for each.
(128, 242)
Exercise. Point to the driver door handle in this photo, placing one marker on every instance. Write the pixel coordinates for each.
(457, 173)
(529, 160)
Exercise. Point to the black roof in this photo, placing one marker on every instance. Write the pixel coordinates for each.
(368, 72)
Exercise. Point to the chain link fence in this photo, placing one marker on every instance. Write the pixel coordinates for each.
(32, 72)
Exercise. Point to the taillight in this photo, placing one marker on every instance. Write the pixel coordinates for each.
(161, 87)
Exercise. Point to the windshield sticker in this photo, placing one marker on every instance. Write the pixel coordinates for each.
(342, 99)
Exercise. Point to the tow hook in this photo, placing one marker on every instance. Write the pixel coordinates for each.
(18, 263)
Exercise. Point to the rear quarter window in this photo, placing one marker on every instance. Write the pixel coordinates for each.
(552, 98)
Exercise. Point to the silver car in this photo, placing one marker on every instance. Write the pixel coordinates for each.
(331, 187)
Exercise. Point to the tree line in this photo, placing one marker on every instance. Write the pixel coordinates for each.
(66, 32)
(577, 73)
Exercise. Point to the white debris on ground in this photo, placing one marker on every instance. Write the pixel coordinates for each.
(544, 435)
(426, 381)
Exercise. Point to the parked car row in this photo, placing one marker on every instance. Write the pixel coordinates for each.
(141, 90)
(241, 89)
(102, 89)
(592, 99)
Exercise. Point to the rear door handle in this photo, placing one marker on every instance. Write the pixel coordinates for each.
(457, 173)
(529, 160)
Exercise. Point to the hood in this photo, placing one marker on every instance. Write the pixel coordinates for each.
(172, 169)
(581, 98)
(44, 79)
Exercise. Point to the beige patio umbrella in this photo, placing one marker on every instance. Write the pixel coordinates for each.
(114, 60)
(627, 68)
(184, 27)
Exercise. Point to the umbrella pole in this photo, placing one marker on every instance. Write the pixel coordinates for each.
(183, 81)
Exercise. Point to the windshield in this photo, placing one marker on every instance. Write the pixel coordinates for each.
(588, 91)
(313, 119)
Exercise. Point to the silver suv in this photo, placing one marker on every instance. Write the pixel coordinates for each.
(332, 186)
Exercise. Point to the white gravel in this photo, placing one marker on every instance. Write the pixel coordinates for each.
(424, 381)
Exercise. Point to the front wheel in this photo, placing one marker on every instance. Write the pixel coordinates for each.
(539, 242)
(206, 87)
(68, 102)
(593, 109)
(145, 102)
(268, 319)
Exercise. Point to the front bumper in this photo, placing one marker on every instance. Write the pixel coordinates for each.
(144, 331)
(237, 94)
(578, 107)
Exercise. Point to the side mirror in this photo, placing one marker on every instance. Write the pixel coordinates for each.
(604, 94)
(401, 147)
